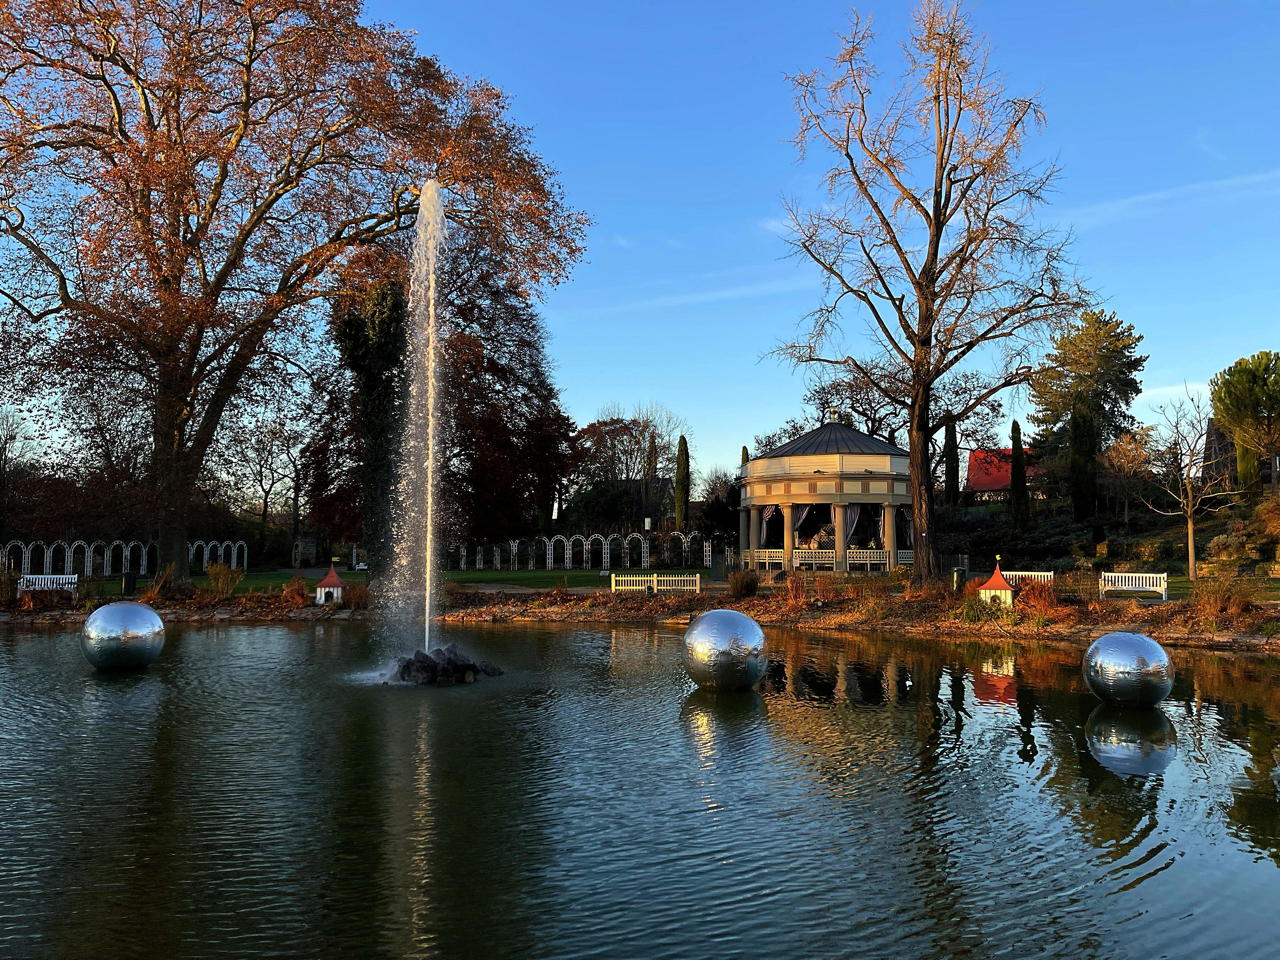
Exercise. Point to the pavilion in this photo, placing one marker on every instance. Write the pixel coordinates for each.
(834, 499)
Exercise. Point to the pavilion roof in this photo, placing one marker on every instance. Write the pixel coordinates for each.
(833, 438)
(997, 581)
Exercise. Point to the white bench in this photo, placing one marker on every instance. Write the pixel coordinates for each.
(655, 582)
(1135, 583)
(1013, 576)
(34, 582)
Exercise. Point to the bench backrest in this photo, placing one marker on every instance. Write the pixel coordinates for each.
(1120, 581)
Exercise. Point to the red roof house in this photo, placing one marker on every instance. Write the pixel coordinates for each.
(989, 472)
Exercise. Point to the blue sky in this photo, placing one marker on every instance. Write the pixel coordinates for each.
(670, 124)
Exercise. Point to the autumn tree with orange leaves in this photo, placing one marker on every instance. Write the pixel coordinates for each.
(181, 183)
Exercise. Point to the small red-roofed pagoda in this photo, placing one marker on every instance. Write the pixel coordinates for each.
(997, 589)
(329, 590)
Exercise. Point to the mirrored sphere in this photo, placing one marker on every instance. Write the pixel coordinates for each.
(122, 635)
(1128, 668)
(1131, 743)
(725, 650)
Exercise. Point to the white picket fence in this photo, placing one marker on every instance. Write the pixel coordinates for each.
(1013, 576)
(655, 582)
(1135, 583)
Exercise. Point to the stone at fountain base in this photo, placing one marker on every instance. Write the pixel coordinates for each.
(443, 667)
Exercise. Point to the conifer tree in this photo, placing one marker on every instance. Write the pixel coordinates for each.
(1246, 406)
(1019, 500)
(682, 483)
(950, 464)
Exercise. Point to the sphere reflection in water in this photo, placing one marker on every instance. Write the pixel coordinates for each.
(123, 635)
(1128, 668)
(725, 650)
(1131, 743)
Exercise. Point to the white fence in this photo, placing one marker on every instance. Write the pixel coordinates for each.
(33, 583)
(655, 582)
(1135, 583)
(1013, 576)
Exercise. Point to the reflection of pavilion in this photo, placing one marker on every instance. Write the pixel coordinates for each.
(833, 498)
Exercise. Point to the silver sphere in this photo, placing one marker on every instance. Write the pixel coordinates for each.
(725, 650)
(122, 635)
(1128, 668)
(1131, 743)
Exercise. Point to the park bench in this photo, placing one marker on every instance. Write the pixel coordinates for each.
(655, 582)
(31, 583)
(1135, 583)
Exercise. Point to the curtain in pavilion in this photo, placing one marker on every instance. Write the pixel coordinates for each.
(852, 511)
(765, 514)
(801, 511)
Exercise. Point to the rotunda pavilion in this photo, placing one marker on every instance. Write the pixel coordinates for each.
(834, 499)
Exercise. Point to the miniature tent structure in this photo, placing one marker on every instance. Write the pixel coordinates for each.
(997, 589)
(329, 590)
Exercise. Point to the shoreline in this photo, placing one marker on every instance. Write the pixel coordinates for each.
(528, 609)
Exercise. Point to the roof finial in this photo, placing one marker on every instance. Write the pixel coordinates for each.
(833, 415)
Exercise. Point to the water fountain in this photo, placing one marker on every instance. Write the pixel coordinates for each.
(412, 573)
(412, 586)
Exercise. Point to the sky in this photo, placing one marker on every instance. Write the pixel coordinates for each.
(670, 124)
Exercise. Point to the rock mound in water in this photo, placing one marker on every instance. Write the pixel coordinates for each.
(443, 667)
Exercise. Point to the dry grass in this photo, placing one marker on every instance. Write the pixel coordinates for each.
(223, 579)
(743, 583)
(355, 597)
(1231, 597)
(156, 591)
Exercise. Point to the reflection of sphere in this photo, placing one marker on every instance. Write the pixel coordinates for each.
(122, 635)
(724, 650)
(1131, 743)
(1128, 668)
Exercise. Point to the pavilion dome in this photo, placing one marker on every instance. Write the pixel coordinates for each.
(833, 438)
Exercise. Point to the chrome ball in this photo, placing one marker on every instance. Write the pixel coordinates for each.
(1131, 743)
(122, 635)
(725, 650)
(1128, 668)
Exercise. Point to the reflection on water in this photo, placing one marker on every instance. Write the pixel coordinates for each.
(878, 797)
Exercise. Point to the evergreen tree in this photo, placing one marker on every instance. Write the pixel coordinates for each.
(950, 464)
(1082, 461)
(682, 483)
(1095, 361)
(1246, 406)
(745, 456)
(372, 339)
(1019, 500)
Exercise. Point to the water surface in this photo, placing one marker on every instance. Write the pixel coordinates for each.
(254, 794)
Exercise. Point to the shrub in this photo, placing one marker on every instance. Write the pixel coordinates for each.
(825, 588)
(797, 587)
(296, 592)
(159, 584)
(743, 583)
(973, 609)
(1039, 598)
(1270, 629)
(356, 597)
(1228, 546)
(223, 579)
(1231, 596)
(1268, 517)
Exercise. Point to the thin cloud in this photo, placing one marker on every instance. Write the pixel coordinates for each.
(1250, 185)
(1207, 147)
(745, 291)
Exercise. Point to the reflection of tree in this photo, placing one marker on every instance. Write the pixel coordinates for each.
(1254, 814)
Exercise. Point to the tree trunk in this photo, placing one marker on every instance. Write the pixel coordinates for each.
(172, 479)
(926, 554)
(1191, 546)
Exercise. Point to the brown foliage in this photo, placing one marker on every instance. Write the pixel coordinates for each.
(1232, 597)
(743, 583)
(159, 584)
(1037, 598)
(181, 180)
(223, 579)
(355, 597)
(296, 593)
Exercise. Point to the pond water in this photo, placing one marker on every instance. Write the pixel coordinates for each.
(257, 794)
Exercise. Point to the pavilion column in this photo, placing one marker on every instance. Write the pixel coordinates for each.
(890, 534)
(788, 534)
(842, 555)
(753, 537)
(744, 529)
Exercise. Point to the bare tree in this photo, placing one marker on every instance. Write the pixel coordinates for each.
(1127, 462)
(929, 230)
(1185, 468)
(16, 448)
